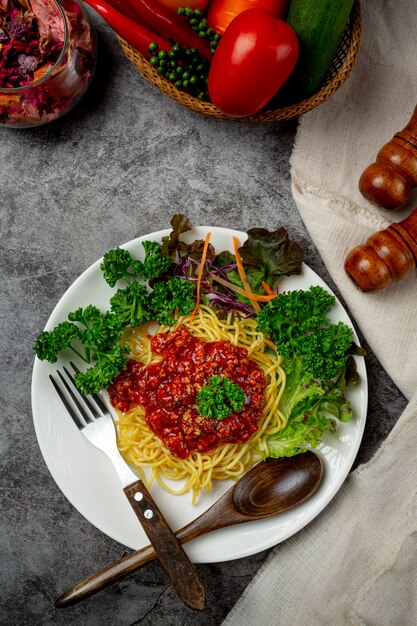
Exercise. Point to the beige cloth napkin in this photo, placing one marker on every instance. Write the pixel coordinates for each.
(334, 144)
(357, 562)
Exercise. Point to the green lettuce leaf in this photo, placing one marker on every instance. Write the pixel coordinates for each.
(311, 408)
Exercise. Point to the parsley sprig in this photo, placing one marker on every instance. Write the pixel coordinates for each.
(220, 398)
(95, 336)
(298, 325)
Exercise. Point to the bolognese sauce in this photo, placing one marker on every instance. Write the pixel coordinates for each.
(168, 390)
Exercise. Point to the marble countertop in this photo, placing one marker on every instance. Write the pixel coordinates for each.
(119, 166)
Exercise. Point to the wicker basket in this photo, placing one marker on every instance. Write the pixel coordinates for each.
(339, 72)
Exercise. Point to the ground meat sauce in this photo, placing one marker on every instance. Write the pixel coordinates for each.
(168, 390)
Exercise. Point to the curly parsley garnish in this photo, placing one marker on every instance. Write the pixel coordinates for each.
(220, 398)
(95, 336)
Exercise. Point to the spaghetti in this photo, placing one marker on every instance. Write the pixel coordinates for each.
(142, 448)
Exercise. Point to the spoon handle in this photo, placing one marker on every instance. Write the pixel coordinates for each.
(105, 577)
(208, 521)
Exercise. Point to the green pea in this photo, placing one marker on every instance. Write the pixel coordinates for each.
(153, 47)
(202, 34)
(194, 79)
(186, 75)
(178, 84)
(154, 61)
(162, 54)
(179, 69)
(172, 76)
(185, 83)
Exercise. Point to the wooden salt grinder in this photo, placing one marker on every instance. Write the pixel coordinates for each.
(387, 256)
(389, 181)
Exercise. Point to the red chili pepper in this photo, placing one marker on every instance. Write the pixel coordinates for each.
(139, 37)
(254, 58)
(169, 25)
(192, 4)
(124, 7)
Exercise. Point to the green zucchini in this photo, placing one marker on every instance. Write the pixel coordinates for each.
(319, 25)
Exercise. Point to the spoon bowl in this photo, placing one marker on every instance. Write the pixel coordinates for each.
(269, 488)
(277, 485)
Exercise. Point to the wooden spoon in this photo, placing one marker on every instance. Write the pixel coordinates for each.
(270, 487)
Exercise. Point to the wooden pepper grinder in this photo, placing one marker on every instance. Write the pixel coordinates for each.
(387, 256)
(389, 181)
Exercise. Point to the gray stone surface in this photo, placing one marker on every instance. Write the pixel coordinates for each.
(118, 166)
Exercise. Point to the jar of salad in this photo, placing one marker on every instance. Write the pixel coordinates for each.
(47, 59)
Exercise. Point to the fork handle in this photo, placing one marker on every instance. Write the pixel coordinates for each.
(181, 572)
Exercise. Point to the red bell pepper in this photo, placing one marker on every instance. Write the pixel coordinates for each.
(132, 32)
(169, 25)
(254, 58)
(222, 12)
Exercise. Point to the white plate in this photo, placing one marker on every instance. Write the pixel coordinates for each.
(88, 480)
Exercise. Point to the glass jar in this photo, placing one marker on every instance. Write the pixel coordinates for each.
(56, 88)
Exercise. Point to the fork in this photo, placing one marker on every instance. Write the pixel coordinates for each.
(95, 422)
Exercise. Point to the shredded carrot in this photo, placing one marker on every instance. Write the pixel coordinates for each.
(249, 295)
(200, 274)
(242, 271)
(268, 289)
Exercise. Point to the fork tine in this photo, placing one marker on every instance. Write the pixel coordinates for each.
(82, 397)
(87, 417)
(100, 403)
(95, 396)
(65, 402)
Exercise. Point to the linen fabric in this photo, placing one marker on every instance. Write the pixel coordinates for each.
(356, 562)
(334, 144)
